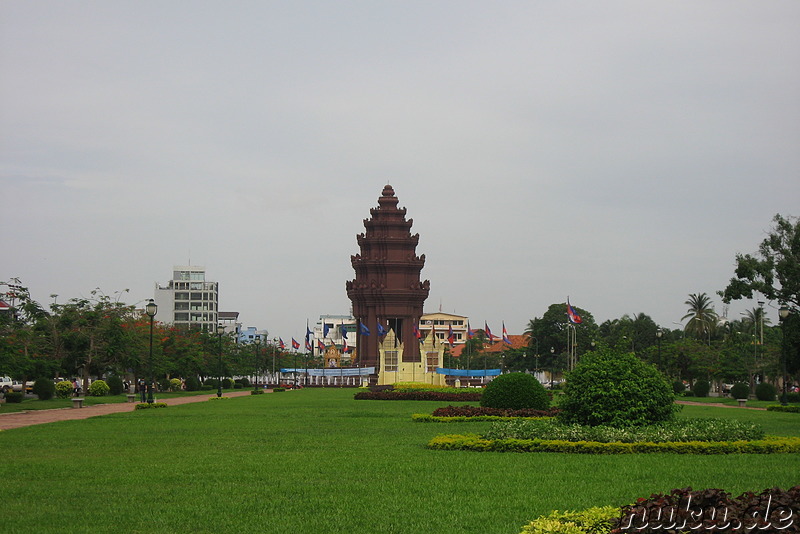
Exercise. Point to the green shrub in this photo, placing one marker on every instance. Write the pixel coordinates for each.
(115, 385)
(244, 381)
(14, 397)
(227, 383)
(148, 405)
(678, 387)
(64, 389)
(278, 390)
(98, 388)
(515, 391)
(740, 390)
(701, 388)
(595, 520)
(44, 388)
(192, 384)
(616, 389)
(213, 382)
(765, 391)
(793, 397)
(257, 392)
(164, 384)
(175, 384)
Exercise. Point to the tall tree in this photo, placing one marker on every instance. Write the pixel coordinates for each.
(774, 271)
(701, 315)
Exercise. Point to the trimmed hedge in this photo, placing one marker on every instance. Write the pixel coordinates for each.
(779, 408)
(44, 388)
(701, 388)
(418, 395)
(765, 391)
(14, 397)
(478, 411)
(740, 390)
(473, 442)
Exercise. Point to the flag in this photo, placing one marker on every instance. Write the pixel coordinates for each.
(488, 332)
(308, 338)
(363, 328)
(381, 330)
(281, 344)
(345, 348)
(320, 345)
(470, 333)
(344, 331)
(295, 344)
(505, 334)
(417, 333)
(325, 329)
(574, 318)
(451, 337)
(308, 345)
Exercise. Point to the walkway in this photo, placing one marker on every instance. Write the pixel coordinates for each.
(718, 405)
(39, 417)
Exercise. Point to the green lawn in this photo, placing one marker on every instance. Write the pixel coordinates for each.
(316, 460)
(34, 403)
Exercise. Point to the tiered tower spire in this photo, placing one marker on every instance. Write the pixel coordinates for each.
(387, 289)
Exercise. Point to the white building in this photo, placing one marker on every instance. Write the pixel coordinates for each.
(188, 300)
(441, 323)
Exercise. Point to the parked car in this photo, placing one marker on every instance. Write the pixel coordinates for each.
(6, 384)
(17, 386)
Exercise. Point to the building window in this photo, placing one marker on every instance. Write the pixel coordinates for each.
(181, 317)
(390, 360)
(181, 296)
(181, 305)
(433, 361)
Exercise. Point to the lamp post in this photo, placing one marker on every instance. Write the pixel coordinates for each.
(659, 333)
(151, 308)
(220, 333)
(257, 342)
(784, 314)
(552, 365)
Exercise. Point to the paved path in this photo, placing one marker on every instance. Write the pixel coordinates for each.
(718, 404)
(38, 417)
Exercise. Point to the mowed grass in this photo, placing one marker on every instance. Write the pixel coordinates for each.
(316, 460)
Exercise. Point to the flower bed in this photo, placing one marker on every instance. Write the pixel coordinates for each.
(690, 429)
(149, 405)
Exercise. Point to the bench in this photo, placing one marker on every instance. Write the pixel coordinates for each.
(131, 397)
(77, 402)
(741, 402)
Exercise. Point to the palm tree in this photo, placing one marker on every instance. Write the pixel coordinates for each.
(701, 315)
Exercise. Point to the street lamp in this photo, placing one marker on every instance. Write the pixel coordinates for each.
(659, 333)
(220, 333)
(784, 314)
(151, 308)
(257, 342)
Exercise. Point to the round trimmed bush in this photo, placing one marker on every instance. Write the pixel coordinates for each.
(515, 391)
(766, 391)
(227, 383)
(192, 384)
(175, 384)
(701, 388)
(740, 390)
(98, 388)
(115, 385)
(616, 389)
(44, 388)
(678, 387)
(64, 389)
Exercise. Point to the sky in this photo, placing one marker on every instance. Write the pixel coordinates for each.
(619, 153)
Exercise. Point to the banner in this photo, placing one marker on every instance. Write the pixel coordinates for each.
(468, 372)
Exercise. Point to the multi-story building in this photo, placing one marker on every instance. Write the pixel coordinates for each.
(188, 300)
(441, 323)
(328, 330)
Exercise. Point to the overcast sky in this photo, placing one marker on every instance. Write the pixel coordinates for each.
(620, 153)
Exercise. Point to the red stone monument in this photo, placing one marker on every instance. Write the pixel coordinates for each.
(387, 289)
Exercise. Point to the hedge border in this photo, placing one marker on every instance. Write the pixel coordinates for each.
(147, 405)
(427, 418)
(473, 442)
